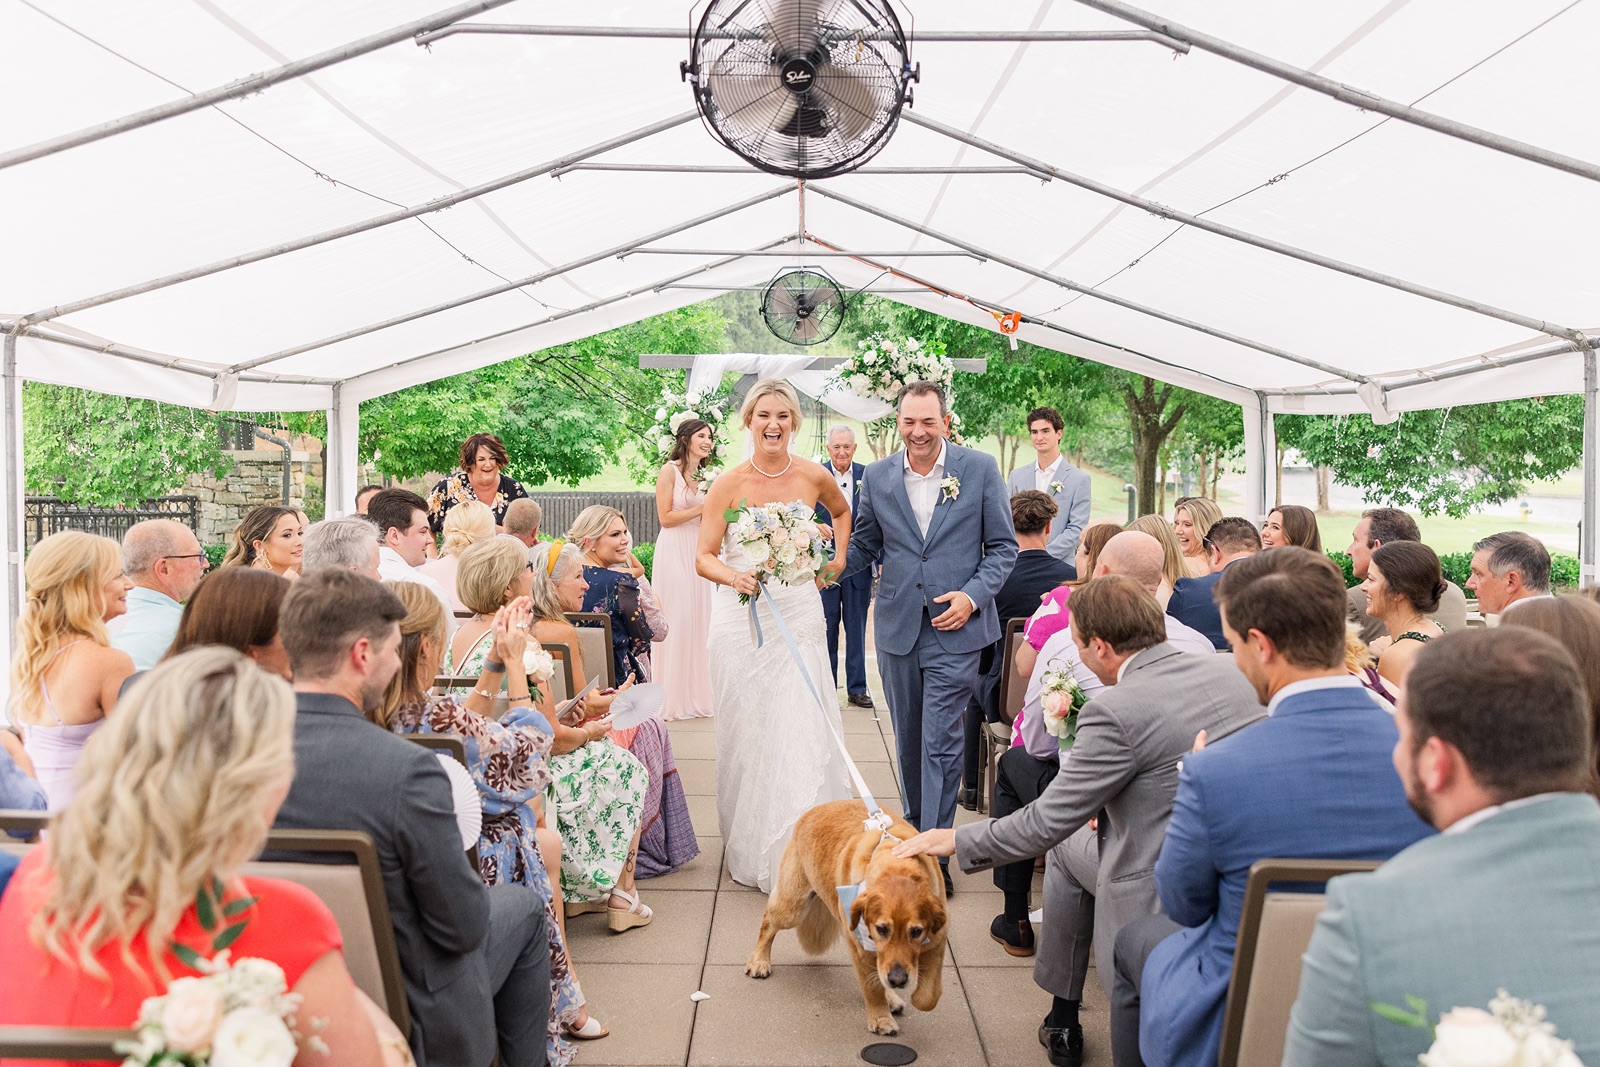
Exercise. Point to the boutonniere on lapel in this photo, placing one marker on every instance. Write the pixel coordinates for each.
(1055, 487)
(949, 489)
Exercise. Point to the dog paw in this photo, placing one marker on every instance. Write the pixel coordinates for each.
(883, 1024)
(897, 1004)
(758, 968)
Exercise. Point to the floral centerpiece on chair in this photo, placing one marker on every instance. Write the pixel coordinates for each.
(781, 541)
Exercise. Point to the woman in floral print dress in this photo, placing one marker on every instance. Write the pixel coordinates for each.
(598, 788)
(482, 478)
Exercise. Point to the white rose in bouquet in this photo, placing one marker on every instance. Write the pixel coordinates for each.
(758, 551)
(191, 1013)
(786, 552)
(1470, 1037)
(250, 1037)
(869, 359)
(801, 539)
(253, 982)
(780, 536)
(538, 664)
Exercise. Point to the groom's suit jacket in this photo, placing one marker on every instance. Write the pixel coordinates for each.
(970, 547)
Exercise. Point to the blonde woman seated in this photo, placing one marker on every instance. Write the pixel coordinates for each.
(65, 675)
(559, 586)
(1403, 587)
(270, 537)
(507, 762)
(1192, 519)
(466, 524)
(598, 788)
(88, 925)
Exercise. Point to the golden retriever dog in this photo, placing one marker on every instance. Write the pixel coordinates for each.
(900, 907)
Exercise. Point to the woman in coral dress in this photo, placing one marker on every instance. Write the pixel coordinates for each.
(680, 661)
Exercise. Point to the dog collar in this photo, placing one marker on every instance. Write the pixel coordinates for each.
(847, 900)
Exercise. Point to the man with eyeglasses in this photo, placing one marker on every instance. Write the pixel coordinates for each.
(1192, 601)
(164, 559)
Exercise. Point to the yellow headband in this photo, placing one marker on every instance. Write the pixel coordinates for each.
(556, 548)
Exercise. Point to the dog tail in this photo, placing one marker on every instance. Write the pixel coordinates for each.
(818, 927)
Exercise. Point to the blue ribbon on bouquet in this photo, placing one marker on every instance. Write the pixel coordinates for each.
(877, 819)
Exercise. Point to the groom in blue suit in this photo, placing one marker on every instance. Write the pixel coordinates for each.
(1315, 778)
(937, 517)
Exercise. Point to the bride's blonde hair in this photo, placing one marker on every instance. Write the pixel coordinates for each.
(771, 387)
(173, 792)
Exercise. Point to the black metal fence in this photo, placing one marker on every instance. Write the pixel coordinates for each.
(560, 509)
(45, 515)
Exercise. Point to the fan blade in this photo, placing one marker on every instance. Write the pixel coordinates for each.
(854, 95)
(756, 104)
(805, 329)
(794, 27)
(780, 305)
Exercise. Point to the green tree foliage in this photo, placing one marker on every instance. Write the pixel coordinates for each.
(1448, 461)
(112, 451)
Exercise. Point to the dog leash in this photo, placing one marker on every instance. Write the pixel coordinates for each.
(877, 818)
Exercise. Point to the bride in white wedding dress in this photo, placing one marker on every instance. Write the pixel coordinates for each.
(776, 756)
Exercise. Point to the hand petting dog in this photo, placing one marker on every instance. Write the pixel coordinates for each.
(928, 843)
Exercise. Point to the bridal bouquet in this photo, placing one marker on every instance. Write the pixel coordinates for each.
(781, 540)
(239, 1013)
(1512, 1033)
(1061, 698)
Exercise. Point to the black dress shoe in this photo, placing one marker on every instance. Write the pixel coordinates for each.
(968, 799)
(1015, 937)
(860, 700)
(949, 886)
(1063, 1045)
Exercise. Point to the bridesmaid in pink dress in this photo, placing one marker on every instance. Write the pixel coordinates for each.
(679, 662)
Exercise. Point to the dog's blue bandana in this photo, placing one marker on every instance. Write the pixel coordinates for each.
(847, 900)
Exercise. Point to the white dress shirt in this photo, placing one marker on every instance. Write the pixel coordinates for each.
(392, 568)
(923, 489)
(845, 478)
(1306, 685)
(1043, 476)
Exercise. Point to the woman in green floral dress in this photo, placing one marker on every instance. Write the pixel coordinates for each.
(598, 790)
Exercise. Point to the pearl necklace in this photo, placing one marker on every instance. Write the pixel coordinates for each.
(780, 474)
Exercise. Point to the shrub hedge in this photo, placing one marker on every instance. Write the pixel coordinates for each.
(1457, 567)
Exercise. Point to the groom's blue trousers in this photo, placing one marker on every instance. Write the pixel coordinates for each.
(928, 691)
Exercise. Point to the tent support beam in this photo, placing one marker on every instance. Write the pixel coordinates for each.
(534, 279)
(1591, 476)
(695, 168)
(1559, 348)
(255, 83)
(1348, 94)
(343, 457)
(1090, 291)
(808, 253)
(1163, 211)
(664, 33)
(11, 420)
(1260, 456)
(439, 204)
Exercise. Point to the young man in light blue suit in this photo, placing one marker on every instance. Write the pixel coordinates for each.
(1494, 750)
(937, 518)
(1314, 779)
(1050, 473)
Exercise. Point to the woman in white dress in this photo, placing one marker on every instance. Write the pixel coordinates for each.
(776, 754)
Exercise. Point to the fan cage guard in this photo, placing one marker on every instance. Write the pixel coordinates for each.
(856, 75)
(786, 305)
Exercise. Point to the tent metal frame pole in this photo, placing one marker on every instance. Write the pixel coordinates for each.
(253, 83)
(1161, 210)
(702, 168)
(808, 253)
(1347, 94)
(13, 480)
(1560, 348)
(1587, 565)
(181, 366)
(533, 279)
(438, 204)
(1087, 290)
(667, 33)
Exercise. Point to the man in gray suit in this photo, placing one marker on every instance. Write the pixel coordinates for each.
(476, 960)
(1123, 763)
(1050, 473)
(937, 518)
(1494, 751)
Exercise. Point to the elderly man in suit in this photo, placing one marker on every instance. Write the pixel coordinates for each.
(1313, 780)
(476, 960)
(936, 517)
(1124, 761)
(1050, 473)
(1494, 751)
(846, 601)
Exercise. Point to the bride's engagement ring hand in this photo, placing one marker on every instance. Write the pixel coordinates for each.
(745, 582)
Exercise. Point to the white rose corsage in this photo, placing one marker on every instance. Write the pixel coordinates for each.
(1060, 699)
(1512, 1032)
(949, 488)
(1055, 487)
(538, 664)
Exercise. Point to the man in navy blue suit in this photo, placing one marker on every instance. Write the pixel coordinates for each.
(1193, 601)
(1314, 779)
(846, 601)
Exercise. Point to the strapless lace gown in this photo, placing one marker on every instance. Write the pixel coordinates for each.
(775, 756)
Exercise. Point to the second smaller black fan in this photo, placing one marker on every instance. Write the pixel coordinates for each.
(803, 306)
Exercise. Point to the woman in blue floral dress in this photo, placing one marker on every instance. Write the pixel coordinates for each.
(508, 763)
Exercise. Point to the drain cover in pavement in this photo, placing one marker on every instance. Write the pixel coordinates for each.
(889, 1054)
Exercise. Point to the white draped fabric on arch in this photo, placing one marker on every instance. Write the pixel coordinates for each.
(1373, 206)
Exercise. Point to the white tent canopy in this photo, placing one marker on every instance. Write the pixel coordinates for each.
(409, 213)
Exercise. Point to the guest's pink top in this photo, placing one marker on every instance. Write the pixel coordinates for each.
(1050, 618)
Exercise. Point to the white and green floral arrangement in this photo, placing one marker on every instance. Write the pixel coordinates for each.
(882, 365)
(674, 408)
